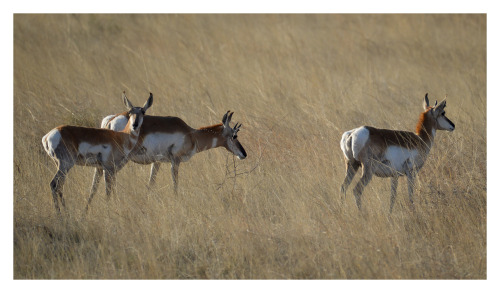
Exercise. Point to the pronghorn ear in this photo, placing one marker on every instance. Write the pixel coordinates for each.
(127, 103)
(426, 102)
(148, 103)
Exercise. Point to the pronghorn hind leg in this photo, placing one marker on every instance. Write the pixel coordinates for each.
(365, 179)
(352, 167)
(56, 185)
(394, 187)
(95, 183)
(154, 171)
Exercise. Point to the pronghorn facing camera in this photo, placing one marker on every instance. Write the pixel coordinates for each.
(104, 149)
(170, 139)
(391, 153)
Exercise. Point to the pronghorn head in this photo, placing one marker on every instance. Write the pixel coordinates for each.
(136, 114)
(230, 136)
(438, 114)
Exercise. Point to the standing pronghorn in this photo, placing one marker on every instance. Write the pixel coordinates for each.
(102, 148)
(169, 139)
(391, 153)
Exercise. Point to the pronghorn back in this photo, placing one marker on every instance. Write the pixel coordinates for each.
(150, 124)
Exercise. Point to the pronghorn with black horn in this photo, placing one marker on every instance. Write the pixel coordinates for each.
(391, 153)
(170, 139)
(105, 149)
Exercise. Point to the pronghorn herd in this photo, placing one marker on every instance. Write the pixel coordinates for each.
(143, 139)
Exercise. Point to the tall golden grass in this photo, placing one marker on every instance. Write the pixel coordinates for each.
(296, 82)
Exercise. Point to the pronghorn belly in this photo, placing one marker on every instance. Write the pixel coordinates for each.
(397, 161)
(93, 155)
(162, 147)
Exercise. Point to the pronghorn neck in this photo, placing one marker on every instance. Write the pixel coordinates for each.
(128, 129)
(426, 127)
(130, 138)
(208, 137)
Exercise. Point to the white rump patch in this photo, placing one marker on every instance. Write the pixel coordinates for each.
(359, 138)
(345, 146)
(51, 140)
(117, 124)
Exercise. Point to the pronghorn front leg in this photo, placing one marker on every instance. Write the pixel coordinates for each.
(394, 187)
(154, 171)
(175, 172)
(109, 178)
(411, 178)
(95, 183)
(365, 179)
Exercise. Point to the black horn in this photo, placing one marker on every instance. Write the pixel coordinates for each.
(224, 118)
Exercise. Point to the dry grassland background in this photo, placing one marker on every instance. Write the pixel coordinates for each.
(296, 82)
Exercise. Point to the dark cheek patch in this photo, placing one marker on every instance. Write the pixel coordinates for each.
(241, 148)
(452, 124)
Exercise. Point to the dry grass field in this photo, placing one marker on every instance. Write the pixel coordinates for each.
(296, 82)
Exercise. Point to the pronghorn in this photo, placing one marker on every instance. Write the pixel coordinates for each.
(391, 153)
(102, 148)
(170, 139)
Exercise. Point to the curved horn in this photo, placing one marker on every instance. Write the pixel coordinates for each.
(229, 117)
(237, 127)
(224, 118)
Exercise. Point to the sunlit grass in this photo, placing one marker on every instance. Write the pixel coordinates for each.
(296, 82)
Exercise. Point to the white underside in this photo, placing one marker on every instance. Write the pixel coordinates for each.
(396, 160)
(94, 153)
(162, 147)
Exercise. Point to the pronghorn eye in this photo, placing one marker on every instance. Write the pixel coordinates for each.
(443, 113)
(235, 136)
(143, 112)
